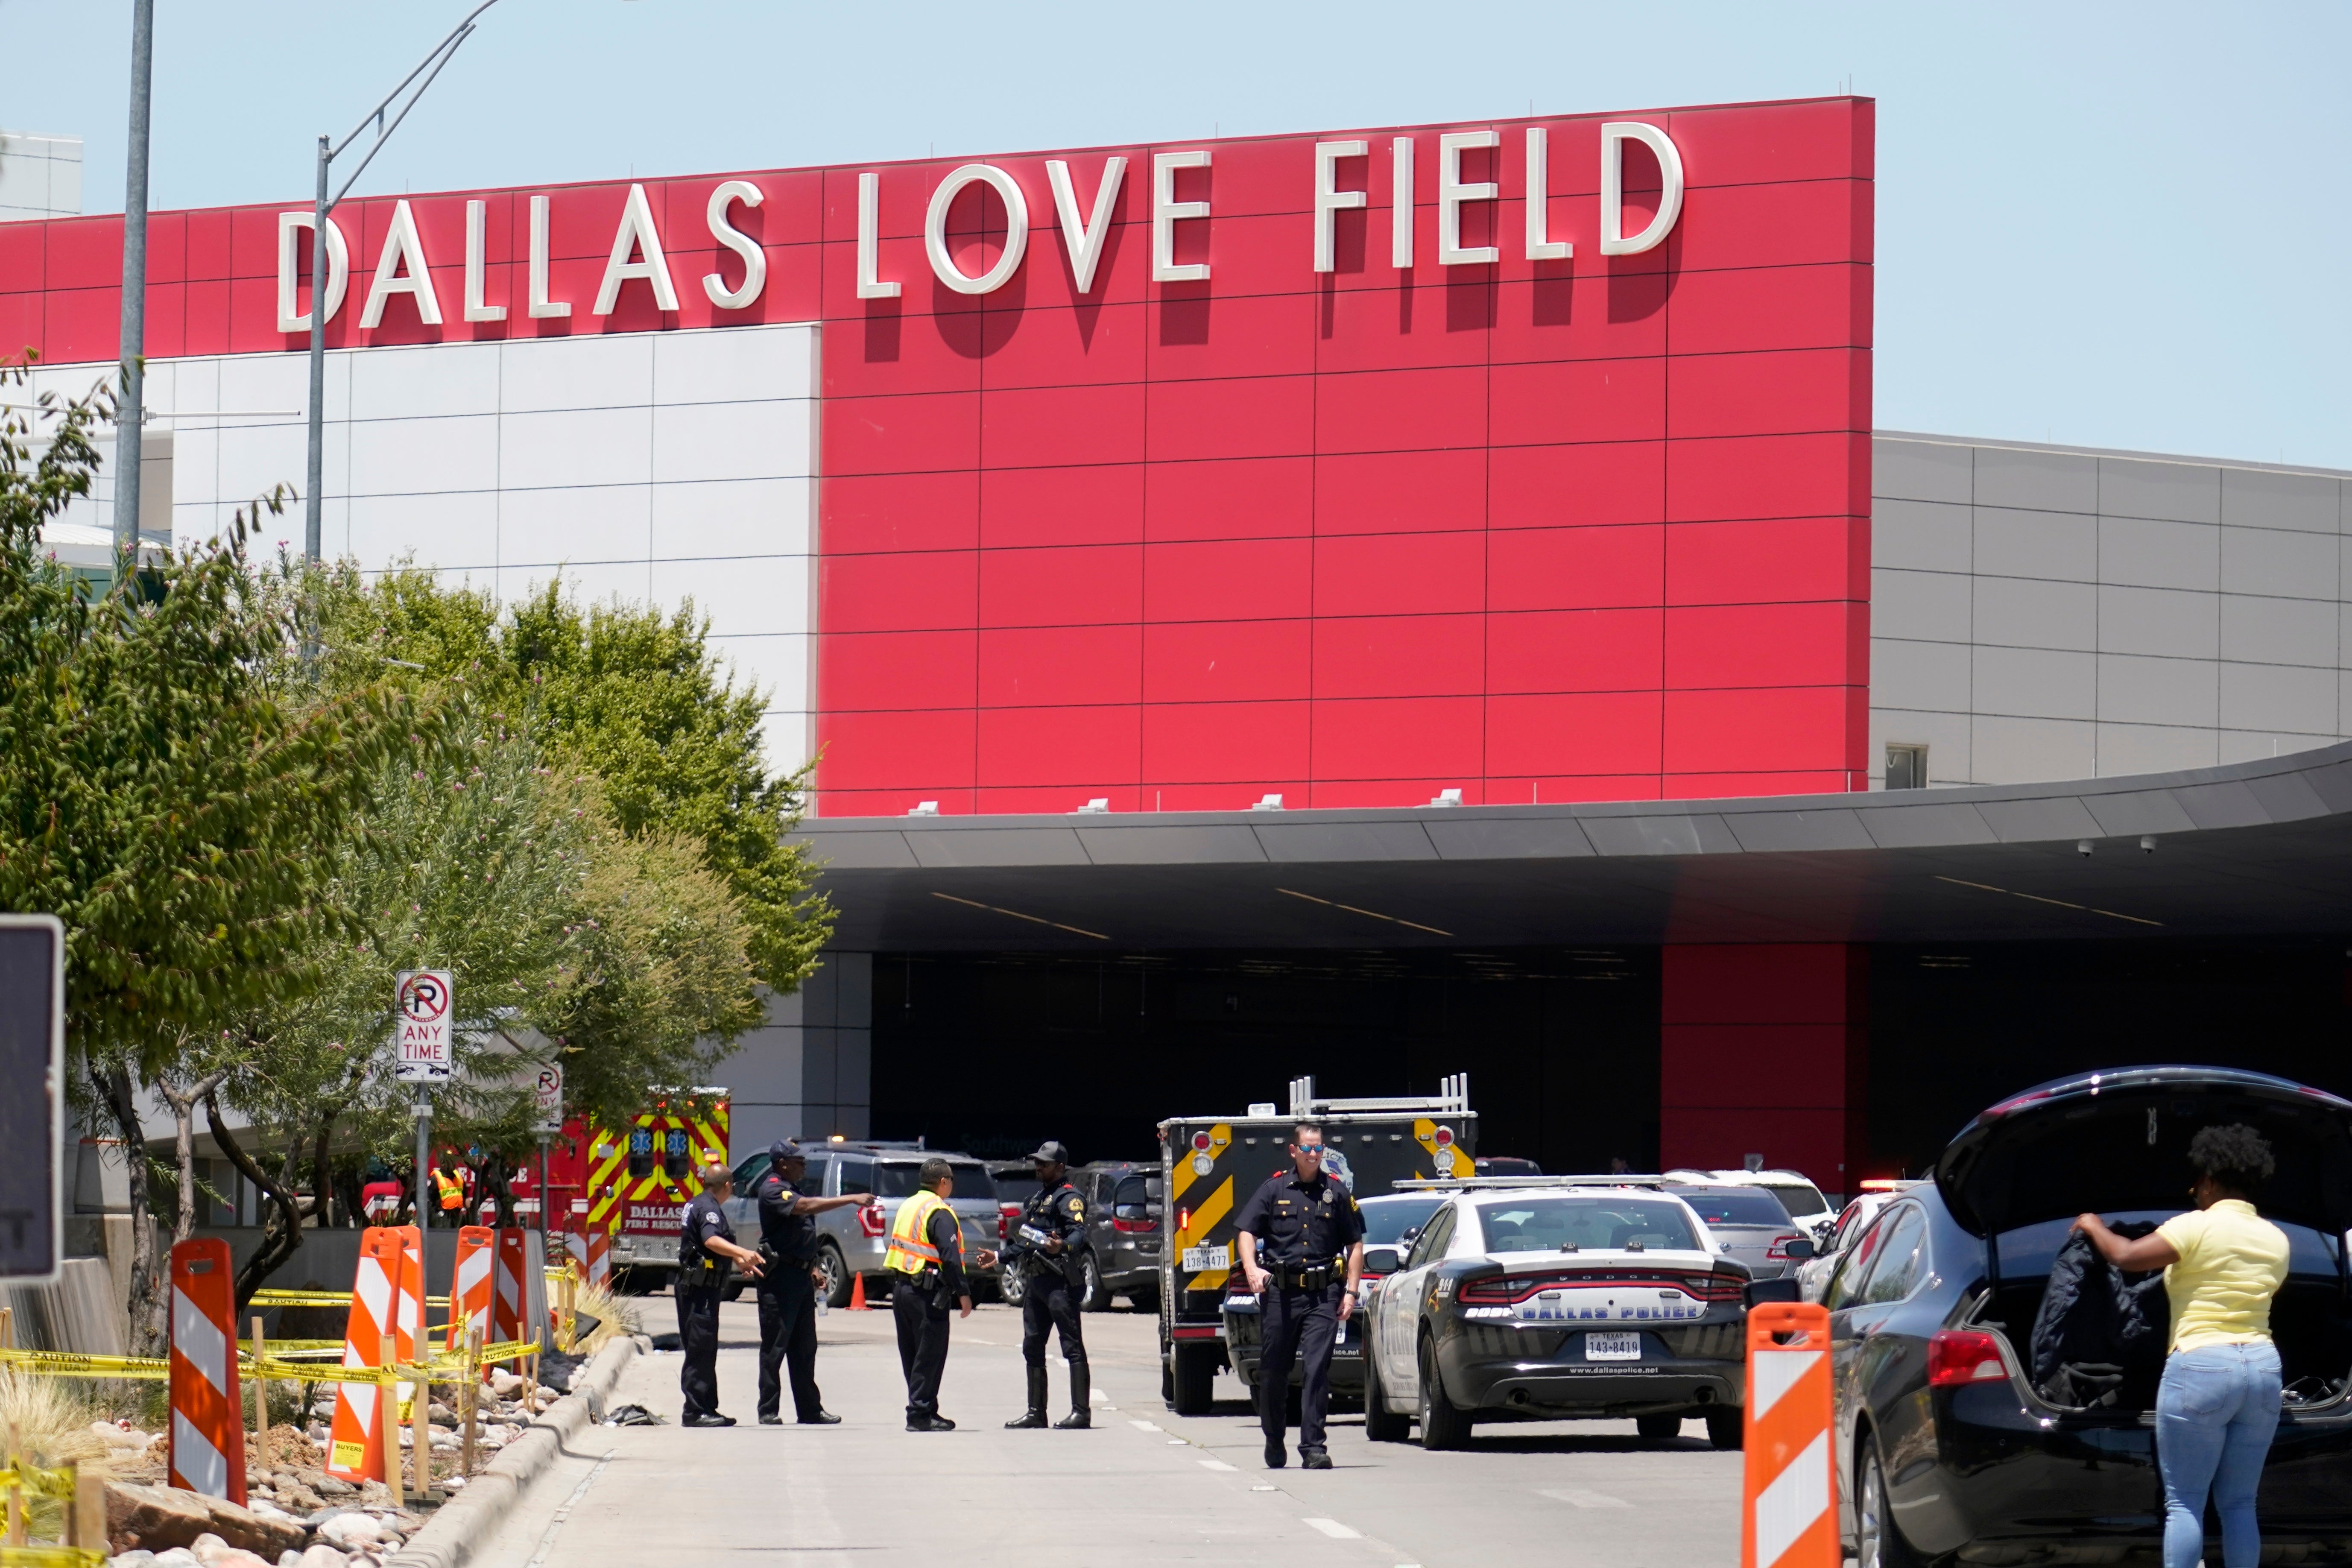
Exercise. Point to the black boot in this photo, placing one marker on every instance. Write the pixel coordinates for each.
(1036, 1415)
(1081, 1416)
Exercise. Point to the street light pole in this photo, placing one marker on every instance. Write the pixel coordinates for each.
(428, 67)
(131, 415)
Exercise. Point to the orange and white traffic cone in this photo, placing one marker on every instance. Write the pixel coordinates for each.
(207, 1418)
(1788, 1516)
(857, 1293)
(470, 1285)
(355, 1442)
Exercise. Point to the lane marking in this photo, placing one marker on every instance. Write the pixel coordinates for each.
(1139, 1426)
(1178, 1443)
(1205, 1464)
(1265, 1489)
(1577, 1498)
(1330, 1527)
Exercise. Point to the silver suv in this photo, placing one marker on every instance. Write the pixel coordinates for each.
(850, 1241)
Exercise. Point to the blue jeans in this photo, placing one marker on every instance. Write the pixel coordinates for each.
(2215, 1413)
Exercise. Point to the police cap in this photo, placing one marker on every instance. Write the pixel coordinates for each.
(784, 1149)
(1050, 1152)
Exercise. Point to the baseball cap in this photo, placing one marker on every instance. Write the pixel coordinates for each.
(786, 1149)
(1050, 1152)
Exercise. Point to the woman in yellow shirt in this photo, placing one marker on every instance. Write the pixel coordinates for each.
(2219, 1403)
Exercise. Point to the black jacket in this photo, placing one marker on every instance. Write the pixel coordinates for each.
(2099, 1337)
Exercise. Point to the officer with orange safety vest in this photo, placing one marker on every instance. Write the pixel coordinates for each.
(924, 1256)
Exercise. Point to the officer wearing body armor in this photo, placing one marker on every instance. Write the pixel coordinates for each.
(1047, 1245)
(788, 1283)
(706, 1252)
(924, 1256)
(1302, 1247)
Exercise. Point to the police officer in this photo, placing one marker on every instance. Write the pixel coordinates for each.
(788, 1286)
(1302, 1246)
(706, 1248)
(925, 1258)
(1051, 1236)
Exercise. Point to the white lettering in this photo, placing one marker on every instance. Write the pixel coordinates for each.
(542, 307)
(1541, 246)
(1166, 210)
(478, 223)
(755, 260)
(1452, 193)
(869, 241)
(635, 237)
(1081, 239)
(1401, 204)
(401, 248)
(1330, 199)
(1016, 228)
(1614, 134)
(289, 263)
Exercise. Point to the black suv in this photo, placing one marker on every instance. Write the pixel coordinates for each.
(1946, 1448)
(1125, 1230)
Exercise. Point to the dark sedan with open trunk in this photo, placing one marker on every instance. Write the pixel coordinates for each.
(1949, 1451)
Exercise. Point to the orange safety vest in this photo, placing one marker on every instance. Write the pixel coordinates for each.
(910, 1251)
(453, 1191)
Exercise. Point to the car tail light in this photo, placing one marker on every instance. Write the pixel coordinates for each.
(1504, 1289)
(870, 1220)
(1125, 1227)
(1961, 1356)
(1779, 1247)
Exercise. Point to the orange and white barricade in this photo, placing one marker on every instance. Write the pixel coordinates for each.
(409, 1324)
(207, 1418)
(355, 1444)
(471, 1286)
(510, 1300)
(1788, 1516)
(600, 1257)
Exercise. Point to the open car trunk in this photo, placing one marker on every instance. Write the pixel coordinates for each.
(2310, 1322)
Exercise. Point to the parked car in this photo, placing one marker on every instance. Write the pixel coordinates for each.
(1813, 1273)
(1551, 1302)
(1945, 1447)
(851, 1240)
(1016, 1183)
(1124, 1231)
(1797, 1194)
(1749, 1223)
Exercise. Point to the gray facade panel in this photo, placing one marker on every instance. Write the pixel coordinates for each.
(2139, 811)
(1932, 675)
(1922, 535)
(1704, 834)
(2040, 482)
(2279, 698)
(1204, 844)
(2035, 683)
(2278, 563)
(2017, 749)
(2279, 631)
(1792, 831)
(2127, 750)
(2014, 543)
(1922, 606)
(999, 845)
(1305, 842)
(1488, 839)
(2162, 621)
(2181, 493)
(2251, 499)
(2041, 821)
(2148, 554)
(1918, 826)
(1918, 470)
(2018, 612)
(2139, 691)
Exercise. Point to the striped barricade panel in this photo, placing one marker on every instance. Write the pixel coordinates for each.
(507, 1306)
(1788, 1504)
(409, 1325)
(470, 1285)
(355, 1440)
(207, 1444)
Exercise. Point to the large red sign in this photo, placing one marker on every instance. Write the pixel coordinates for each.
(1177, 477)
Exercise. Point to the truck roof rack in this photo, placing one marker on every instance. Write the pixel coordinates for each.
(1452, 1098)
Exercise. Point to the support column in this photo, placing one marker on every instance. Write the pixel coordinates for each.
(1763, 1050)
(807, 1072)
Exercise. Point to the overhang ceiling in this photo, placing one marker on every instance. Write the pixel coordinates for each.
(2252, 849)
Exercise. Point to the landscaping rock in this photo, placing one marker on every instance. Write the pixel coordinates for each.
(158, 1517)
(350, 1531)
(323, 1555)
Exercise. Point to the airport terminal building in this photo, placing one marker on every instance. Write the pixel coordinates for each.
(1378, 604)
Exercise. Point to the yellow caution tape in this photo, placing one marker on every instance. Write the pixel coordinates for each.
(442, 1368)
(64, 1364)
(57, 1483)
(52, 1557)
(320, 1299)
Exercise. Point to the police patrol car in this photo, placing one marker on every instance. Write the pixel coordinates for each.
(1542, 1298)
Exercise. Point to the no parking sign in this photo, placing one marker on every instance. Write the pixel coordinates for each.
(421, 1012)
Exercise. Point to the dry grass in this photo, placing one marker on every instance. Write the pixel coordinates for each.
(45, 1422)
(617, 1317)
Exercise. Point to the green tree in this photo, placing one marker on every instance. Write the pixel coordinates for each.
(154, 794)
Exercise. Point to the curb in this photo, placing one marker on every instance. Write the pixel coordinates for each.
(460, 1525)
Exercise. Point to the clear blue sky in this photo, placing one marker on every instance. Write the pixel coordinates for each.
(2124, 225)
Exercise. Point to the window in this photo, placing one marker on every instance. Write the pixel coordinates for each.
(900, 1177)
(856, 1170)
(1386, 1220)
(812, 1183)
(748, 1173)
(1901, 1261)
(1135, 1198)
(1431, 1246)
(1735, 1206)
(1845, 1284)
(1906, 766)
(1557, 1225)
(1797, 1197)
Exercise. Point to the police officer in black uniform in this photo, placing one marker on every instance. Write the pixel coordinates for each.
(706, 1249)
(1302, 1246)
(1047, 1246)
(788, 1286)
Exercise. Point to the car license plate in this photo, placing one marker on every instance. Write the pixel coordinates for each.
(1197, 1260)
(1612, 1347)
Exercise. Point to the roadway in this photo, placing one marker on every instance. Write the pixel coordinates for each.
(1144, 1487)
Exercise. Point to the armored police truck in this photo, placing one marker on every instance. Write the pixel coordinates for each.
(1211, 1164)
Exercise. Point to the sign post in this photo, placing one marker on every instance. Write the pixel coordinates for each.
(548, 1096)
(422, 1005)
(31, 1060)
